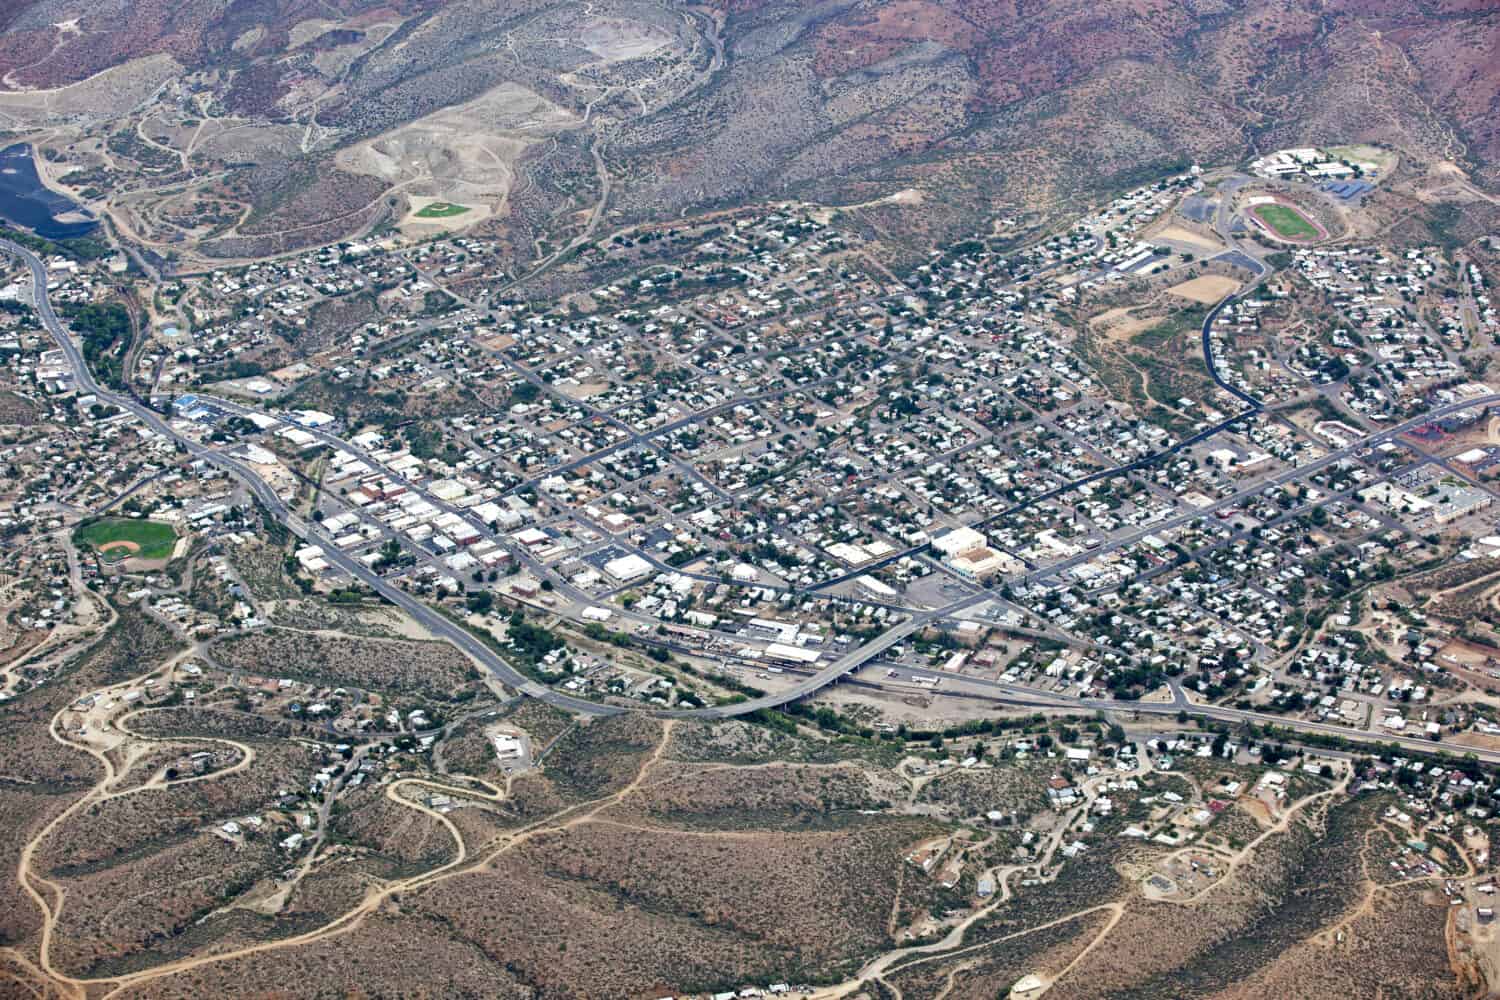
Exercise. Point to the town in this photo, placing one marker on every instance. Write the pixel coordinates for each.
(1178, 510)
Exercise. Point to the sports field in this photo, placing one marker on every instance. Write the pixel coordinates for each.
(441, 210)
(117, 538)
(1286, 222)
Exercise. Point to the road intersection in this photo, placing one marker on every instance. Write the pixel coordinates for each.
(844, 665)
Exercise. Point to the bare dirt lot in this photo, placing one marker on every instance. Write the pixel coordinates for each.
(1207, 289)
(1124, 322)
(465, 155)
(1180, 234)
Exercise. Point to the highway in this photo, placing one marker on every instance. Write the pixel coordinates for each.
(855, 658)
(1014, 694)
(444, 628)
(436, 623)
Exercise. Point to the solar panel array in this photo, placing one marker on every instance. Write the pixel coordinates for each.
(1346, 189)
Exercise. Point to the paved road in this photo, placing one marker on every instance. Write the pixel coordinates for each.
(444, 628)
(1018, 693)
(1213, 365)
(434, 622)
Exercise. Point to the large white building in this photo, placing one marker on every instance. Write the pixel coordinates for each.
(951, 543)
(969, 552)
(627, 568)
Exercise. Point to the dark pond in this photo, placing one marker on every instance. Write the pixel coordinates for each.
(25, 202)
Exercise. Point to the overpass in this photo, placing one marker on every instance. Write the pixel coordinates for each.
(450, 631)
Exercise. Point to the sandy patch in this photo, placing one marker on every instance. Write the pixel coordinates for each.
(1258, 810)
(248, 39)
(617, 39)
(294, 373)
(906, 197)
(1179, 234)
(1159, 696)
(333, 62)
(499, 342)
(1463, 652)
(247, 143)
(1382, 160)
(305, 31)
(1207, 289)
(403, 626)
(584, 390)
(466, 154)
(1121, 324)
(1478, 741)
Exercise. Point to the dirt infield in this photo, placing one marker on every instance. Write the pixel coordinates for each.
(129, 548)
(1207, 289)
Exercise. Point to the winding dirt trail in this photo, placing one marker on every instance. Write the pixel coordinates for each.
(48, 895)
(465, 861)
(1244, 853)
(951, 946)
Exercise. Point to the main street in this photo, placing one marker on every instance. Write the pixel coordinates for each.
(444, 628)
(436, 623)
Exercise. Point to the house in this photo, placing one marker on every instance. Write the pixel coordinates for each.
(1060, 792)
